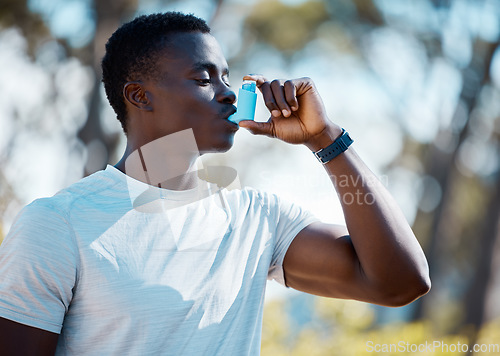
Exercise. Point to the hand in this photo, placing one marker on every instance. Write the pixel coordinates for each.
(298, 115)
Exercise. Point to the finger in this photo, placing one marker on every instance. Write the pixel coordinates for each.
(258, 78)
(269, 100)
(291, 95)
(262, 83)
(257, 128)
(279, 97)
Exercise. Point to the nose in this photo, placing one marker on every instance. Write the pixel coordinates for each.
(226, 95)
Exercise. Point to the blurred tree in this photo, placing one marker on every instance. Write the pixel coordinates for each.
(99, 143)
(461, 234)
(287, 28)
(15, 13)
(441, 164)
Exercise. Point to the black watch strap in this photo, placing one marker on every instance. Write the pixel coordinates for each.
(338, 146)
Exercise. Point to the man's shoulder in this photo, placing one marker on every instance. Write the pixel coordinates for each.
(100, 182)
(59, 215)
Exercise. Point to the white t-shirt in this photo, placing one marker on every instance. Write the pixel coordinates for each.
(114, 277)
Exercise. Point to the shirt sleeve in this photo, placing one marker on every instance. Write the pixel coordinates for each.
(290, 219)
(38, 268)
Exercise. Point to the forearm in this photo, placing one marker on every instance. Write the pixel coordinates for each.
(385, 263)
(390, 257)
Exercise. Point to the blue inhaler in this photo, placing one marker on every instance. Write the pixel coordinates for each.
(247, 98)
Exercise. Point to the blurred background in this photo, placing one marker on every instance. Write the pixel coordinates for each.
(416, 83)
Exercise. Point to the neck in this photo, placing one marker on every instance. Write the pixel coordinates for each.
(168, 162)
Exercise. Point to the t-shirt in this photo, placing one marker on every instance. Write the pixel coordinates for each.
(119, 267)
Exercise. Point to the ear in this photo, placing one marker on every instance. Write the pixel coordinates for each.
(135, 94)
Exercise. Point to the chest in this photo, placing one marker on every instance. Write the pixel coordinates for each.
(183, 265)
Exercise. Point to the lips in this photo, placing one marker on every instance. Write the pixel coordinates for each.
(231, 112)
(228, 114)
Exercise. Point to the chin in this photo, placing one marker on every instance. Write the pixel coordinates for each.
(218, 148)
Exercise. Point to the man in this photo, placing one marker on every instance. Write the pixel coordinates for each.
(145, 258)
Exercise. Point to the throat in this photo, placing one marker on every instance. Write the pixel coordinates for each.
(170, 162)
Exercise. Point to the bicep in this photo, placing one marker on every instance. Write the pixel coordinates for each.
(20, 339)
(321, 260)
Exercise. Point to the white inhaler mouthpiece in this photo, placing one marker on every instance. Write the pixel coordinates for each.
(247, 99)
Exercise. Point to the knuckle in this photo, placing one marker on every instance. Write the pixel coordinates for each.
(308, 81)
(276, 83)
(265, 86)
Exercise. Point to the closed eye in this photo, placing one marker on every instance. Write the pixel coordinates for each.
(203, 81)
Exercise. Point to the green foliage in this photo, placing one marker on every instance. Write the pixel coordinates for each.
(345, 328)
(287, 28)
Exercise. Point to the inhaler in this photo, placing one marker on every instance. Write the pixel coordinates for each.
(247, 98)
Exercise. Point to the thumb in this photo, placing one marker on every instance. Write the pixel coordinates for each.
(257, 128)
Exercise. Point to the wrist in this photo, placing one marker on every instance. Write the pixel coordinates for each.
(324, 138)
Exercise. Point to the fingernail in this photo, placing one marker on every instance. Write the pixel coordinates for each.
(293, 108)
(285, 112)
(275, 113)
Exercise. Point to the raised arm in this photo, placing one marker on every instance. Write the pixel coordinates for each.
(376, 257)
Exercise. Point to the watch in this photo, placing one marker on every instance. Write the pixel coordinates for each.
(338, 146)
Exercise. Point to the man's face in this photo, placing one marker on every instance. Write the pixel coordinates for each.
(192, 91)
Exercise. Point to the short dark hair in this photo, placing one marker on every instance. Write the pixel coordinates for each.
(132, 51)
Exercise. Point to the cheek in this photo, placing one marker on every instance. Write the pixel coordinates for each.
(196, 104)
(183, 111)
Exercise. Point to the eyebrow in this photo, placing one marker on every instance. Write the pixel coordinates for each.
(208, 66)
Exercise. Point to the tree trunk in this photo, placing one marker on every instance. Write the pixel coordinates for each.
(475, 302)
(441, 164)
